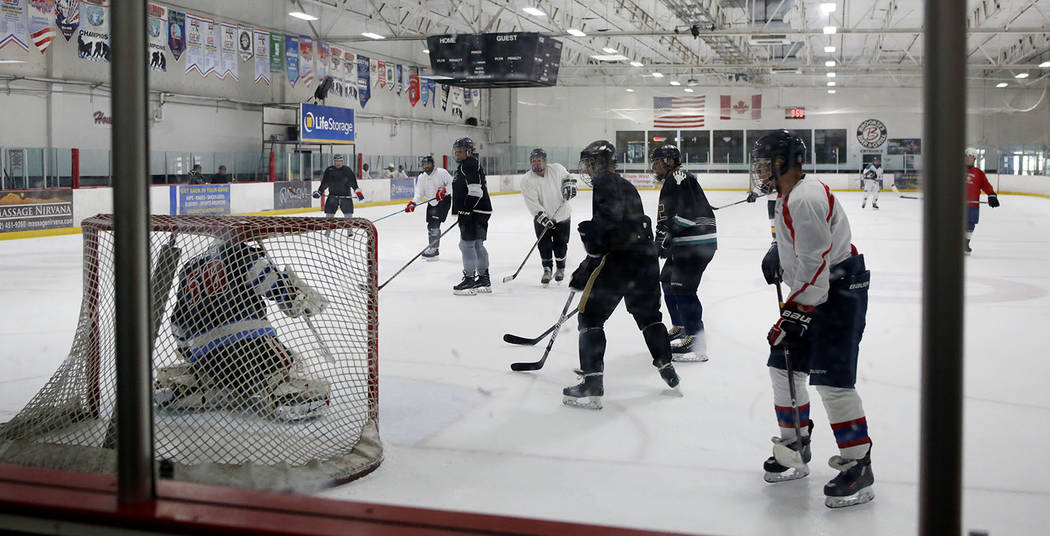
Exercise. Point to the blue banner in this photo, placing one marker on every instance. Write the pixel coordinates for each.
(326, 124)
(203, 199)
(402, 188)
(291, 59)
(363, 83)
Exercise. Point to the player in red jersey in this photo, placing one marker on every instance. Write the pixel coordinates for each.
(976, 182)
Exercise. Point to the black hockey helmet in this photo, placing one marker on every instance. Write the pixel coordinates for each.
(426, 159)
(466, 144)
(666, 151)
(779, 144)
(538, 153)
(599, 155)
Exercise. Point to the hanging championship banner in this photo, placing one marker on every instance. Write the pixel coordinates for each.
(323, 57)
(381, 66)
(466, 97)
(291, 59)
(157, 30)
(41, 31)
(276, 53)
(306, 60)
(211, 48)
(390, 80)
(363, 89)
(457, 102)
(195, 27)
(413, 85)
(372, 71)
(244, 43)
(67, 17)
(228, 61)
(93, 40)
(262, 56)
(476, 100)
(400, 79)
(350, 66)
(424, 85)
(335, 70)
(176, 33)
(13, 23)
(444, 97)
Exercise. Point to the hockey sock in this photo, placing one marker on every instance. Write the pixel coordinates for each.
(547, 263)
(592, 349)
(560, 262)
(658, 342)
(846, 414)
(483, 255)
(691, 313)
(672, 299)
(782, 402)
(470, 256)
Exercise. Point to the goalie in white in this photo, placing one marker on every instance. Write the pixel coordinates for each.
(232, 356)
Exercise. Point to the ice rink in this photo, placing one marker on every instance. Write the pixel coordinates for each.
(463, 432)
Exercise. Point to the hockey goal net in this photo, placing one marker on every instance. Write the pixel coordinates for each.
(265, 355)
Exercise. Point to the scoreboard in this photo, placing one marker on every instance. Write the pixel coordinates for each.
(493, 60)
(796, 112)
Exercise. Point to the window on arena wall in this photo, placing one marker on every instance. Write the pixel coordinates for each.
(806, 135)
(728, 147)
(657, 138)
(830, 146)
(696, 146)
(630, 146)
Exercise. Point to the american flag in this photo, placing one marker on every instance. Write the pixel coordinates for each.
(678, 112)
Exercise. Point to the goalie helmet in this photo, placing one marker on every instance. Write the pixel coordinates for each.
(665, 152)
(599, 155)
(772, 156)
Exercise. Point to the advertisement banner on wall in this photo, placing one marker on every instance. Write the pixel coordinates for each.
(640, 180)
(326, 124)
(32, 210)
(291, 194)
(202, 200)
(402, 188)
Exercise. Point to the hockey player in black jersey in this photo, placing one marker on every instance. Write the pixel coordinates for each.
(686, 237)
(342, 187)
(621, 264)
(470, 201)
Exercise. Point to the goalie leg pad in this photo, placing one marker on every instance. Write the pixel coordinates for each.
(299, 399)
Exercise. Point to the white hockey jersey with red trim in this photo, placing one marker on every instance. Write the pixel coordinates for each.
(813, 235)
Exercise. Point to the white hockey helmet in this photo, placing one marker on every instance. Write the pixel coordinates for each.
(971, 151)
(390, 166)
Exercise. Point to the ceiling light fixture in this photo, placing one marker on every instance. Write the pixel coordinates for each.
(1001, 84)
(830, 49)
(1021, 75)
(609, 57)
(831, 74)
(11, 61)
(636, 64)
(831, 92)
(609, 50)
(426, 51)
(658, 75)
(371, 35)
(675, 83)
(830, 30)
(577, 33)
(1045, 64)
(533, 11)
(688, 90)
(302, 16)
(828, 7)
(629, 90)
(832, 84)
(829, 63)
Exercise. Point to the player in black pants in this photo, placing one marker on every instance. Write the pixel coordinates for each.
(686, 237)
(342, 188)
(621, 264)
(470, 201)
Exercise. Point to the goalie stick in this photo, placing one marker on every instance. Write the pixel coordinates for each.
(550, 344)
(514, 339)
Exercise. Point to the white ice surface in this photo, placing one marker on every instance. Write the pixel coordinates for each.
(463, 432)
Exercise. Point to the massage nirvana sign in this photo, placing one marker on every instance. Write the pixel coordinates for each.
(325, 124)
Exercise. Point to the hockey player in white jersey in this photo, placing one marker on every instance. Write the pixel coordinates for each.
(433, 184)
(821, 322)
(871, 180)
(546, 189)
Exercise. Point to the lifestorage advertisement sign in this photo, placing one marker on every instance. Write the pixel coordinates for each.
(32, 210)
(326, 124)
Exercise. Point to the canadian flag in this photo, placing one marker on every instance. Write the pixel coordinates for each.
(734, 107)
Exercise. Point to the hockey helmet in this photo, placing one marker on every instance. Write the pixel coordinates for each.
(971, 151)
(664, 152)
(538, 153)
(390, 167)
(465, 144)
(772, 156)
(427, 163)
(599, 155)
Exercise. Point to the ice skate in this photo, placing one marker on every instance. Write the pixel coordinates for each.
(853, 485)
(431, 254)
(178, 387)
(465, 287)
(864, 203)
(778, 472)
(483, 285)
(587, 394)
(546, 278)
(669, 375)
(875, 205)
(675, 333)
(299, 399)
(690, 348)
(967, 250)
(559, 274)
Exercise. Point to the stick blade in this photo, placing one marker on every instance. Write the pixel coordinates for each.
(520, 367)
(508, 279)
(514, 339)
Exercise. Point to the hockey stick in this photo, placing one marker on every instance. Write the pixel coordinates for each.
(554, 335)
(510, 278)
(783, 453)
(729, 205)
(514, 339)
(423, 202)
(436, 240)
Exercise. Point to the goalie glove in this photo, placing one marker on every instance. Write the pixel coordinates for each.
(793, 326)
(302, 299)
(544, 220)
(568, 188)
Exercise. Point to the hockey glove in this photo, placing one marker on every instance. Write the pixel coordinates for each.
(360, 196)
(663, 243)
(410, 207)
(579, 278)
(440, 195)
(751, 197)
(793, 326)
(317, 195)
(568, 188)
(544, 220)
(993, 200)
(592, 239)
(771, 269)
